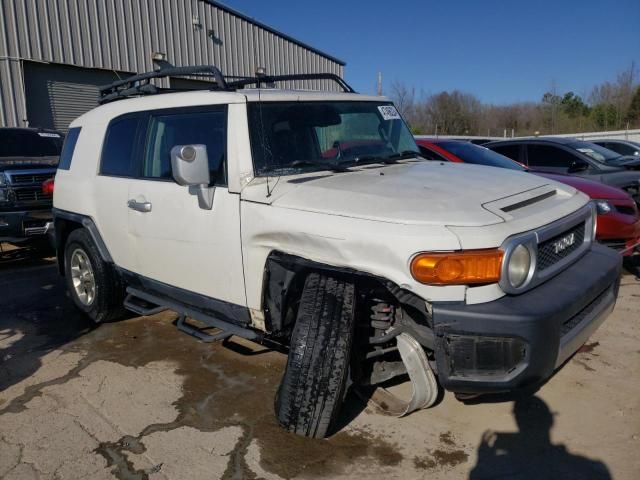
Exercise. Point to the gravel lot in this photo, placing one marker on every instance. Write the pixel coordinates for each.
(138, 399)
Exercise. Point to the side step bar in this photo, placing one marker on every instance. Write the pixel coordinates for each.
(200, 333)
(143, 303)
(141, 307)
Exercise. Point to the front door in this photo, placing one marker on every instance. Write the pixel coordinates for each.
(177, 242)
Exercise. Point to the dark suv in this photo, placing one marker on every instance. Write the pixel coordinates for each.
(575, 157)
(28, 158)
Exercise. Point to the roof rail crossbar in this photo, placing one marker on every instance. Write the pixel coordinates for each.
(267, 79)
(139, 84)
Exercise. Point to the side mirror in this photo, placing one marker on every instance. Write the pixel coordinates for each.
(190, 167)
(577, 166)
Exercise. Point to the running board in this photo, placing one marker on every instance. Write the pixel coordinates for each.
(143, 303)
(140, 306)
(200, 333)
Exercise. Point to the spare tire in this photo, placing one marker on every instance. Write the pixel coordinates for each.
(313, 385)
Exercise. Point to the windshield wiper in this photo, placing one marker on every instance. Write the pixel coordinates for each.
(387, 159)
(405, 154)
(334, 167)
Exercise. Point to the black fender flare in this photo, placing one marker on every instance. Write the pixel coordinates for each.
(62, 219)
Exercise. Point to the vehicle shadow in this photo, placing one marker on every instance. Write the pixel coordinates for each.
(36, 316)
(632, 265)
(529, 453)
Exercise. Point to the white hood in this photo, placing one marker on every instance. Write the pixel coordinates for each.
(424, 193)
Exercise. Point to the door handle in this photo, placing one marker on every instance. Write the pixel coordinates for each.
(143, 207)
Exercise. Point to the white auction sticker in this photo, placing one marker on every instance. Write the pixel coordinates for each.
(389, 112)
(47, 134)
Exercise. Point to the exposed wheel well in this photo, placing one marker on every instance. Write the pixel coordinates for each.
(284, 279)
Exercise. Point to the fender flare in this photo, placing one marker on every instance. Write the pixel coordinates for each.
(61, 233)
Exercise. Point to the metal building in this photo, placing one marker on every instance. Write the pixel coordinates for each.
(55, 53)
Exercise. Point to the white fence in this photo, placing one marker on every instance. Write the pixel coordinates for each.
(613, 135)
(587, 136)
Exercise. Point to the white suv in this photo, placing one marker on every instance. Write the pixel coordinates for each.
(309, 219)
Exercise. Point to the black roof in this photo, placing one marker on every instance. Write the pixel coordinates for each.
(32, 129)
(558, 140)
(246, 18)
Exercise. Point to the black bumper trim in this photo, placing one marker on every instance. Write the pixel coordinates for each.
(587, 289)
(14, 230)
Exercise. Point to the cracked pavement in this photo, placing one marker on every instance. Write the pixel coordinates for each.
(139, 400)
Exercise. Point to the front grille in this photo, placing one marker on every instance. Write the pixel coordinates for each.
(547, 255)
(27, 178)
(574, 321)
(31, 195)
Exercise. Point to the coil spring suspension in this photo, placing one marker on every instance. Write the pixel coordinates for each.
(382, 315)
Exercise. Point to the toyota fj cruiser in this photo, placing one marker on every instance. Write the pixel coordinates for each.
(28, 158)
(309, 220)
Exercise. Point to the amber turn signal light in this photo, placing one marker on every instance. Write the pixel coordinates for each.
(458, 268)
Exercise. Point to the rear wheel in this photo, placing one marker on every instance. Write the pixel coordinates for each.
(314, 382)
(93, 285)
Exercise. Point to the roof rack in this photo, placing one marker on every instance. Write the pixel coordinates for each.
(140, 84)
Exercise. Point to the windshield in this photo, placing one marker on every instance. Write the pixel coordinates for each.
(29, 143)
(470, 153)
(295, 137)
(598, 153)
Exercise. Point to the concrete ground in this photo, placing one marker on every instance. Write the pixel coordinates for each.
(137, 399)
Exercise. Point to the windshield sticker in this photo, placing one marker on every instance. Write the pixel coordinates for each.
(389, 112)
(47, 134)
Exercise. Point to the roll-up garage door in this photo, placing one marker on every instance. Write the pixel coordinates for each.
(57, 94)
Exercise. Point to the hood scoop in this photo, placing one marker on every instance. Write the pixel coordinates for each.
(529, 201)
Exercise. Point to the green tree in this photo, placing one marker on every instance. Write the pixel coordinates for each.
(604, 115)
(633, 114)
(574, 106)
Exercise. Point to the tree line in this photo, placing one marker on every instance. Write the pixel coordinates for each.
(612, 105)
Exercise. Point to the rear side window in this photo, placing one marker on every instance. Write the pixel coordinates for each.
(68, 148)
(548, 156)
(511, 151)
(119, 150)
(186, 128)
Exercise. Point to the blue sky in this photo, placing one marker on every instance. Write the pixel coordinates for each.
(501, 51)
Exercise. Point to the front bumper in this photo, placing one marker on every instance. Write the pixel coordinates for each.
(20, 226)
(519, 340)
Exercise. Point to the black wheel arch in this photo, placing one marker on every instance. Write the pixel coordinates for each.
(284, 277)
(66, 222)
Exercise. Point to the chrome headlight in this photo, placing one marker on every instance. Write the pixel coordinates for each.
(603, 207)
(519, 266)
(3, 180)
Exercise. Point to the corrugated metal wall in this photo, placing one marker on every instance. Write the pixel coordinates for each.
(122, 35)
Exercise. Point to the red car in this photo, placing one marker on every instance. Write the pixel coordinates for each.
(618, 217)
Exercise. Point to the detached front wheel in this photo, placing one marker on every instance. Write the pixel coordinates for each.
(314, 382)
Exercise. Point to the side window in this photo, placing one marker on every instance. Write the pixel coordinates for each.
(511, 151)
(167, 130)
(119, 157)
(68, 148)
(548, 156)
